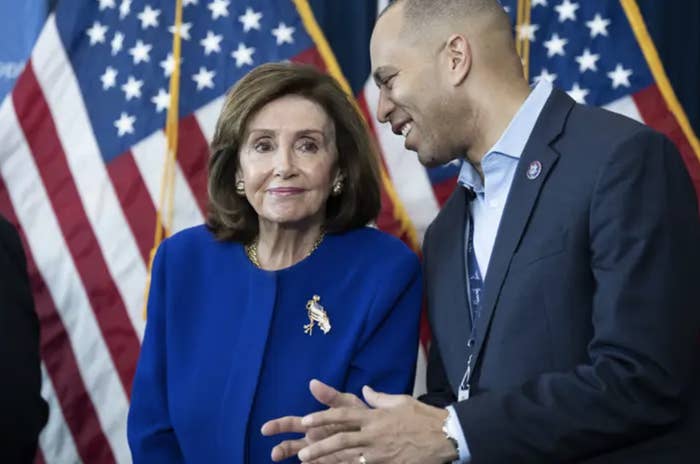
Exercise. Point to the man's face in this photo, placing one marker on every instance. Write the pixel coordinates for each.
(413, 96)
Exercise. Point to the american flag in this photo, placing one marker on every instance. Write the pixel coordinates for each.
(84, 147)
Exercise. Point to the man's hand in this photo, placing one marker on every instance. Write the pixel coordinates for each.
(398, 429)
(292, 424)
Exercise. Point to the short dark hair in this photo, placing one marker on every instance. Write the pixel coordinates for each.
(230, 216)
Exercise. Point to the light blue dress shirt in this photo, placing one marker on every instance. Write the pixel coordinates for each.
(498, 165)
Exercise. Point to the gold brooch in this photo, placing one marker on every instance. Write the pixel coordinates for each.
(318, 315)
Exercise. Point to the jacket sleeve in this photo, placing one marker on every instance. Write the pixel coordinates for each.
(644, 245)
(386, 358)
(24, 411)
(149, 430)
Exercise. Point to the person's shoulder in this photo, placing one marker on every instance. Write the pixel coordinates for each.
(604, 127)
(377, 245)
(193, 240)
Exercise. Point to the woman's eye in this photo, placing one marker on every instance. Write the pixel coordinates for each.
(262, 146)
(308, 146)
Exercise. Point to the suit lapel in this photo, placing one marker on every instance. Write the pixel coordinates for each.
(448, 278)
(521, 202)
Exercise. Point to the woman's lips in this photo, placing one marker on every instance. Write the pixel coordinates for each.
(285, 191)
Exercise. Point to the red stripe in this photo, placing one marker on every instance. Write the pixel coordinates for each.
(135, 200)
(444, 189)
(39, 458)
(312, 57)
(654, 111)
(35, 119)
(60, 362)
(192, 156)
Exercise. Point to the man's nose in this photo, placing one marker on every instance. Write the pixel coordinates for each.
(384, 107)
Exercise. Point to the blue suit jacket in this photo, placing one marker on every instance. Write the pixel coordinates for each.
(225, 349)
(587, 347)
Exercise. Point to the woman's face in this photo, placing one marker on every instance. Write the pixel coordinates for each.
(288, 161)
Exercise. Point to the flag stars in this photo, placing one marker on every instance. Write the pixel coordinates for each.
(184, 30)
(283, 34)
(109, 78)
(578, 94)
(567, 10)
(97, 33)
(124, 9)
(117, 43)
(545, 76)
(620, 76)
(168, 65)
(243, 55)
(211, 43)
(132, 88)
(140, 52)
(219, 8)
(125, 124)
(527, 31)
(188, 2)
(598, 26)
(161, 100)
(587, 61)
(149, 17)
(250, 20)
(539, 3)
(204, 78)
(555, 46)
(104, 4)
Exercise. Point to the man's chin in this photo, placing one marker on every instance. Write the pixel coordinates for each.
(429, 160)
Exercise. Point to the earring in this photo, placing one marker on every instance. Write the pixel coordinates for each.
(240, 188)
(337, 188)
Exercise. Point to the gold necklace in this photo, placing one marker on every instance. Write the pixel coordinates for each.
(251, 250)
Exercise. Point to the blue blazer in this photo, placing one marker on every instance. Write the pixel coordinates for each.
(587, 347)
(225, 349)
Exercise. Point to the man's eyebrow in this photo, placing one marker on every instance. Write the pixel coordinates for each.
(380, 74)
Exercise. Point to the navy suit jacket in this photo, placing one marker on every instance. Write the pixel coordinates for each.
(587, 348)
(225, 349)
(23, 412)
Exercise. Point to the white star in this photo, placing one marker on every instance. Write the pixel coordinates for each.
(117, 43)
(527, 31)
(149, 17)
(124, 9)
(539, 3)
(125, 124)
(555, 46)
(104, 4)
(598, 26)
(109, 78)
(250, 20)
(587, 61)
(162, 100)
(188, 2)
(567, 10)
(97, 33)
(244, 55)
(620, 76)
(506, 9)
(140, 52)
(283, 34)
(219, 8)
(211, 43)
(168, 65)
(132, 88)
(545, 76)
(184, 30)
(204, 78)
(578, 94)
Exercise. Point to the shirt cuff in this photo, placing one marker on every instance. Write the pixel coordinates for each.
(454, 428)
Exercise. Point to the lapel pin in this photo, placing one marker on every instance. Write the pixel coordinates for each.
(317, 314)
(534, 170)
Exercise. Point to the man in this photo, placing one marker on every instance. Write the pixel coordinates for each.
(560, 276)
(23, 412)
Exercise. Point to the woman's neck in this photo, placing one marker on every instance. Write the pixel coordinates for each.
(280, 246)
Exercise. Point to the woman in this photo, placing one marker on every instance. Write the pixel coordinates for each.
(284, 283)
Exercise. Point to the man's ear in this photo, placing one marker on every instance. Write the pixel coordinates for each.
(459, 58)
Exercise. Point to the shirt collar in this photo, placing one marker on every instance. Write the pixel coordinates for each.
(513, 140)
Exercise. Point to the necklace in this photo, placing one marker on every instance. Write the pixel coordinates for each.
(251, 250)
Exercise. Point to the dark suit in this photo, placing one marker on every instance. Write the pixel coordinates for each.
(23, 412)
(587, 347)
